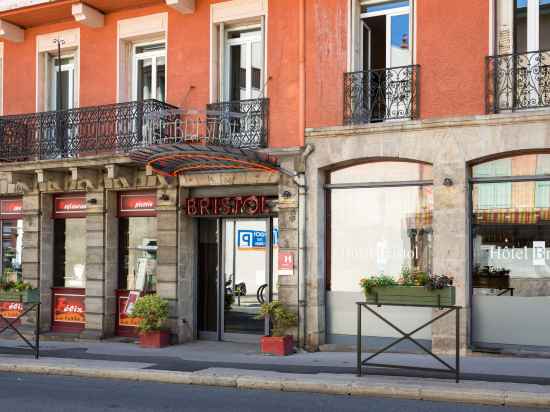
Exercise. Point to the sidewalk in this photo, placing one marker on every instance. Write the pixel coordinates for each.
(489, 380)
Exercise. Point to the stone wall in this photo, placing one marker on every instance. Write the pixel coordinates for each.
(450, 146)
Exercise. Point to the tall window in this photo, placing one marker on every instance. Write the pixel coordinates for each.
(244, 69)
(149, 80)
(532, 25)
(61, 82)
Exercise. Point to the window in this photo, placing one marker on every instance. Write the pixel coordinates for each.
(380, 222)
(70, 253)
(12, 249)
(494, 195)
(244, 71)
(532, 25)
(61, 82)
(150, 72)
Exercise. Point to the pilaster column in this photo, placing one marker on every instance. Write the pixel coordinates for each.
(186, 275)
(167, 260)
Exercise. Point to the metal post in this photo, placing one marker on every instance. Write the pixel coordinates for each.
(37, 332)
(457, 349)
(359, 333)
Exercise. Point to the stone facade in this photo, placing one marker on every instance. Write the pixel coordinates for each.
(450, 146)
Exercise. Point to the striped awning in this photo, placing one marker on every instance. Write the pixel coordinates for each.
(512, 216)
(175, 159)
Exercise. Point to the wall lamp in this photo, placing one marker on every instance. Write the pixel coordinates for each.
(92, 201)
(286, 194)
(447, 182)
(164, 197)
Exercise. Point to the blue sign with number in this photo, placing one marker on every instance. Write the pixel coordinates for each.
(251, 239)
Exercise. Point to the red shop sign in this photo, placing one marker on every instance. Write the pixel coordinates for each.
(69, 307)
(137, 204)
(228, 206)
(11, 310)
(11, 208)
(69, 206)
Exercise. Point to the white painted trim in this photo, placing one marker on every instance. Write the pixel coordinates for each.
(87, 15)
(235, 10)
(11, 32)
(183, 6)
(150, 28)
(492, 28)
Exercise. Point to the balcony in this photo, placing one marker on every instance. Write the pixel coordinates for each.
(85, 131)
(380, 95)
(518, 81)
(239, 124)
(125, 127)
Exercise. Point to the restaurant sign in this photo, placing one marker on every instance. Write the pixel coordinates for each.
(137, 204)
(11, 208)
(11, 310)
(69, 308)
(69, 206)
(228, 206)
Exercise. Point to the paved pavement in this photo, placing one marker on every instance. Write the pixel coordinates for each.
(24, 393)
(201, 355)
(504, 381)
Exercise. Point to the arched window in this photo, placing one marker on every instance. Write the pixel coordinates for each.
(379, 222)
(510, 243)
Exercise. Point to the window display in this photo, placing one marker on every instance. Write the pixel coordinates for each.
(138, 254)
(380, 224)
(511, 258)
(70, 253)
(12, 249)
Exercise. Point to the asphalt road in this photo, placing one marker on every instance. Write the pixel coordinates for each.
(55, 393)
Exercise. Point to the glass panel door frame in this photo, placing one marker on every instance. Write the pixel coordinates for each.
(250, 36)
(155, 56)
(54, 68)
(220, 333)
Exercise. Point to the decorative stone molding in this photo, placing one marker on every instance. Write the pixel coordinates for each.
(183, 6)
(49, 181)
(11, 32)
(119, 177)
(85, 179)
(11, 183)
(87, 15)
(237, 10)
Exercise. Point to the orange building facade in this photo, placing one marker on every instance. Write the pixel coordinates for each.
(224, 153)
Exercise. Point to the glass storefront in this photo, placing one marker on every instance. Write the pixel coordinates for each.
(69, 263)
(138, 237)
(510, 250)
(380, 222)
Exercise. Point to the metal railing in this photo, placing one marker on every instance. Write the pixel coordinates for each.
(86, 131)
(241, 124)
(518, 81)
(381, 94)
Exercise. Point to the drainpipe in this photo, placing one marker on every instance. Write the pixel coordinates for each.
(300, 181)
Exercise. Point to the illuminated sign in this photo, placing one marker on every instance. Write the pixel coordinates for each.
(228, 206)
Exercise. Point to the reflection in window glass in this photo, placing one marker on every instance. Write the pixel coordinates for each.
(12, 248)
(382, 172)
(70, 253)
(511, 255)
(138, 236)
(544, 24)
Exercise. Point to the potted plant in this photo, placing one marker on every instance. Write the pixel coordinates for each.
(282, 319)
(19, 291)
(153, 313)
(412, 288)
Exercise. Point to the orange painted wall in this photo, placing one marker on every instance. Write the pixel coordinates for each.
(326, 61)
(452, 42)
(188, 58)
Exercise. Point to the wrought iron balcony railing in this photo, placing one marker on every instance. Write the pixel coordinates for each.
(241, 124)
(86, 131)
(381, 94)
(518, 81)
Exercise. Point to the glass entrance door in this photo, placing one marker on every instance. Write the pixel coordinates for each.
(236, 265)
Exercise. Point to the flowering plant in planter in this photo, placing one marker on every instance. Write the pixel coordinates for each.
(412, 288)
(18, 291)
(282, 319)
(153, 313)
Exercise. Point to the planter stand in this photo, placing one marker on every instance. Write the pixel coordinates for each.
(11, 324)
(408, 336)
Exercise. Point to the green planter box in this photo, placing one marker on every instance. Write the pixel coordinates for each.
(27, 296)
(411, 295)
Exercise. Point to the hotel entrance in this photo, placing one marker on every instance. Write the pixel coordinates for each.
(235, 276)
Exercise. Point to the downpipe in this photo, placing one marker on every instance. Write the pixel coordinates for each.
(301, 181)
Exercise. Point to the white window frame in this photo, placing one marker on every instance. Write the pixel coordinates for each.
(52, 80)
(389, 13)
(153, 55)
(248, 66)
